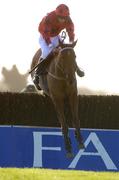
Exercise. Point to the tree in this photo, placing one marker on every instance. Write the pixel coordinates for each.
(13, 80)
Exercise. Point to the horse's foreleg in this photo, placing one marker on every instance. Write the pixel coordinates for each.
(73, 100)
(79, 138)
(65, 133)
(59, 106)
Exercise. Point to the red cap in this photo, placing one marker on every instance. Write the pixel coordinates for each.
(62, 10)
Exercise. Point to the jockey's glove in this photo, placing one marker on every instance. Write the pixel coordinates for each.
(50, 46)
(71, 42)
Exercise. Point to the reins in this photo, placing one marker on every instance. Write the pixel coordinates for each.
(56, 77)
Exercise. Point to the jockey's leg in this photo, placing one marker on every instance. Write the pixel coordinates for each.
(55, 41)
(46, 50)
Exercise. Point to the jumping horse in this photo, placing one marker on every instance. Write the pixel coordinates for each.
(59, 83)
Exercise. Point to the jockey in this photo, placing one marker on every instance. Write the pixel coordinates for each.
(49, 28)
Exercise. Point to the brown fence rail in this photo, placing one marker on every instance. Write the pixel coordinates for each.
(32, 109)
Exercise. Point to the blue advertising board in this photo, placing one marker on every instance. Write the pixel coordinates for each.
(44, 148)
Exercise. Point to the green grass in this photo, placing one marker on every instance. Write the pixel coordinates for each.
(48, 174)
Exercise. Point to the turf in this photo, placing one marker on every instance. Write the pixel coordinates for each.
(48, 174)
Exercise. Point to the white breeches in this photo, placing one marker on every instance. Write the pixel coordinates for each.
(45, 48)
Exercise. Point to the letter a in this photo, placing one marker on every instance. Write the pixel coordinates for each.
(100, 152)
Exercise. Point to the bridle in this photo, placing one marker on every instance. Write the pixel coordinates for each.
(65, 75)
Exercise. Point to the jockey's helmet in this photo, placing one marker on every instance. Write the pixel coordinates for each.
(62, 10)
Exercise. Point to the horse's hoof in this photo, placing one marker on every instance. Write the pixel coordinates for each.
(81, 146)
(69, 155)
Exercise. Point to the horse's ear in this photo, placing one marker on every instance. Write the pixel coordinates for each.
(74, 43)
(62, 45)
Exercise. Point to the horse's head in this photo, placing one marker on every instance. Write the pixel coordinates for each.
(67, 54)
(66, 63)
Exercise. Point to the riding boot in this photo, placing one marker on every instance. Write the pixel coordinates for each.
(40, 70)
(80, 73)
(36, 79)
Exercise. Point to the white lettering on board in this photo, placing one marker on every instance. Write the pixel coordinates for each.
(101, 152)
(38, 148)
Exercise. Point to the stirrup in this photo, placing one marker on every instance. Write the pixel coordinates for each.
(36, 82)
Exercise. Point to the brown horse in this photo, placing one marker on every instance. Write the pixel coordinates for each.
(61, 87)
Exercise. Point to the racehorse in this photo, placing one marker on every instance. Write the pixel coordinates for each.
(62, 86)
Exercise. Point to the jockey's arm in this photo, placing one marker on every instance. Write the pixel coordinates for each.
(45, 29)
(70, 30)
